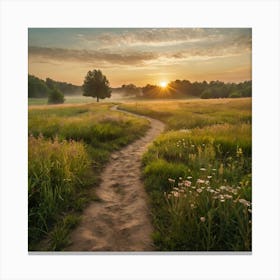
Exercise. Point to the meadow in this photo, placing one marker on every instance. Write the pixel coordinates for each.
(198, 174)
(68, 148)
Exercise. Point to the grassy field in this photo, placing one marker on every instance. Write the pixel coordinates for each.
(198, 174)
(68, 147)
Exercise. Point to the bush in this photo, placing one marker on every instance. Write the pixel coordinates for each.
(55, 97)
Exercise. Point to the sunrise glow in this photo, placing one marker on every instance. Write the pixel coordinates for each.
(163, 84)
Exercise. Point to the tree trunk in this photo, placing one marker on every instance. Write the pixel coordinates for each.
(97, 99)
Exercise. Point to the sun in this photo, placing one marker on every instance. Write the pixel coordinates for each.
(163, 84)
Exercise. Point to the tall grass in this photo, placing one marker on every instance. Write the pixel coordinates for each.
(68, 147)
(205, 216)
(57, 171)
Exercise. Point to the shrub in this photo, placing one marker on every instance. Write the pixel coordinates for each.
(55, 97)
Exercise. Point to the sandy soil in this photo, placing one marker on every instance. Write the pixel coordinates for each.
(121, 222)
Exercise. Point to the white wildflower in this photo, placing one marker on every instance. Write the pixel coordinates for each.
(202, 219)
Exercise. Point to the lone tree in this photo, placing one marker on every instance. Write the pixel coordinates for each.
(96, 85)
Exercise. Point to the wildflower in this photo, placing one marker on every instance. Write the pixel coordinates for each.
(192, 146)
(223, 187)
(189, 177)
(180, 178)
(233, 191)
(222, 200)
(199, 190)
(67, 180)
(214, 169)
(239, 152)
(207, 182)
(227, 196)
(202, 219)
(244, 202)
(199, 181)
(171, 180)
(202, 169)
(209, 177)
(175, 194)
(192, 205)
(187, 183)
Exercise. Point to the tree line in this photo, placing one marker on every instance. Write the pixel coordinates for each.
(185, 88)
(97, 85)
(38, 88)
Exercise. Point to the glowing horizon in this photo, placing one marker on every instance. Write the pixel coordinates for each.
(141, 56)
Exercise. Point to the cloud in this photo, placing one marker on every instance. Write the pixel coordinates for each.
(88, 56)
(201, 44)
(169, 36)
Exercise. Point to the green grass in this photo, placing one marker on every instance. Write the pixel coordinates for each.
(198, 174)
(68, 148)
(68, 100)
(195, 113)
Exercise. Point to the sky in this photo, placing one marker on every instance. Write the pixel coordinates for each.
(141, 55)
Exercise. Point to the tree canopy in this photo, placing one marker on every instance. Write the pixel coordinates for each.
(37, 88)
(96, 85)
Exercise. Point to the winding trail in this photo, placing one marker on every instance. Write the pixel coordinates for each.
(121, 222)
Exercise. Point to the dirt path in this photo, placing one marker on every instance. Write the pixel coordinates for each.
(121, 222)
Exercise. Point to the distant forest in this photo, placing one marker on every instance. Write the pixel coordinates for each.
(184, 88)
(38, 88)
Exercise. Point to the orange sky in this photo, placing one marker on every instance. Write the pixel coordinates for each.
(141, 56)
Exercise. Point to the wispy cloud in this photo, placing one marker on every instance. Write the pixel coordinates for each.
(88, 56)
(169, 36)
(193, 51)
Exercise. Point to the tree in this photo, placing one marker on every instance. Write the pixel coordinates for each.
(96, 85)
(55, 97)
(37, 88)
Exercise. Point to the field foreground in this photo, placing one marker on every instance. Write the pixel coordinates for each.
(197, 174)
